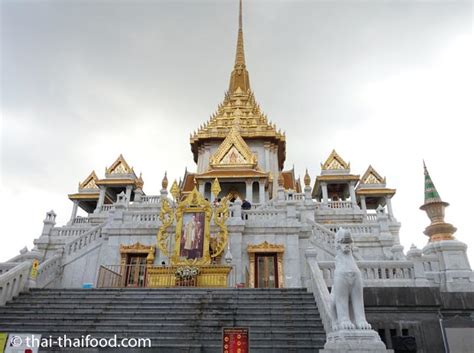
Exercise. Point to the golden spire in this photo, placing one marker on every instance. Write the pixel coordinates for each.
(239, 102)
(240, 55)
(239, 77)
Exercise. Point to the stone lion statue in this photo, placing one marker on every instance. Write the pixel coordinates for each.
(347, 299)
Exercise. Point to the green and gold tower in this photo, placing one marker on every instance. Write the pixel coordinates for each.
(434, 207)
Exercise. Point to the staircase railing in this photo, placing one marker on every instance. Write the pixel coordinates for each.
(322, 237)
(7, 266)
(318, 287)
(83, 240)
(376, 273)
(14, 281)
(48, 271)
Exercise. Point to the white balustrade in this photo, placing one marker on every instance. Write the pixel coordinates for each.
(356, 229)
(14, 281)
(70, 231)
(377, 273)
(340, 204)
(145, 217)
(371, 217)
(264, 214)
(85, 239)
(81, 220)
(317, 285)
(153, 199)
(323, 237)
(48, 271)
(293, 196)
(106, 208)
(7, 266)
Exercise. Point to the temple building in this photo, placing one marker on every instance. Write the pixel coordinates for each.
(241, 220)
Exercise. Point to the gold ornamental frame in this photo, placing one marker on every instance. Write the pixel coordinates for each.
(265, 247)
(137, 248)
(193, 203)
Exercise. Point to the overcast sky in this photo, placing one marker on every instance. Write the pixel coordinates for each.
(386, 83)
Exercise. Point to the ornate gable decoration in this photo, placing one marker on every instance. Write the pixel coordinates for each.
(335, 162)
(89, 183)
(372, 177)
(265, 247)
(120, 166)
(233, 152)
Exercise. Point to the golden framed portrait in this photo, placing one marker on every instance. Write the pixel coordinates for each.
(192, 235)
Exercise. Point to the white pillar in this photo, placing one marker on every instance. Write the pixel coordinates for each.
(388, 201)
(201, 186)
(324, 188)
(74, 211)
(128, 193)
(261, 191)
(352, 193)
(248, 190)
(100, 202)
(267, 157)
(363, 204)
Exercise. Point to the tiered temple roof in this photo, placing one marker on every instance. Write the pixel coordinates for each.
(239, 102)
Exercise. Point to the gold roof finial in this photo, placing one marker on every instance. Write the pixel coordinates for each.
(175, 190)
(164, 182)
(307, 178)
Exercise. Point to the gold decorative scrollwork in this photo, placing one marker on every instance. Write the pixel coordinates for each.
(166, 218)
(221, 213)
(193, 244)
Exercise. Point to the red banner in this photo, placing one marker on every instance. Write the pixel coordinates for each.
(235, 340)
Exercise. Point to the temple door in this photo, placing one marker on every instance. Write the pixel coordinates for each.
(266, 270)
(136, 270)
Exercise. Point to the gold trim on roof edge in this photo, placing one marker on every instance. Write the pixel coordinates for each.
(89, 183)
(335, 162)
(384, 191)
(120, 166)
(233, 139)
(372, 177)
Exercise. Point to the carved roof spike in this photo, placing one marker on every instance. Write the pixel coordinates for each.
(431, 194)
(164, 182)
(307, 178)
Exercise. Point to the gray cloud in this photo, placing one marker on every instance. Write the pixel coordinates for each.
(84, 81)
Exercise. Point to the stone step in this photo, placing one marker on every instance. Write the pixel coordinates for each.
(256, 347)
(156, 291)
(176, 320)
(186, 334)
(301, 323)
(169, 317)
(156, 311)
